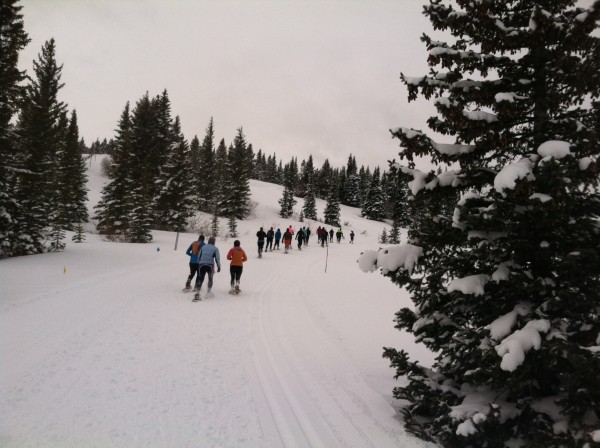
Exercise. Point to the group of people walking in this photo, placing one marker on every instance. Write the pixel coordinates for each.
(204, 256)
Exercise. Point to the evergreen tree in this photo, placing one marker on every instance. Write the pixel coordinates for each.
(14, 39)
(79, 235)
(310, 203)
(40, 140)
(195, 157)
(352, 194)
(507, 292)
(364, 184)
(331, 215)
(383, 238)
(287, 202)
(232, 224)
(323, 180)
(215, 223)
(205, 177)
(175, 200)
(221, 179)
(373, 205)
(113, 209)
(240, 168)
(73, 177)
(140, 217)
(395, 233)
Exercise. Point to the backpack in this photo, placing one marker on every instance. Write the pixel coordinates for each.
(196, 247)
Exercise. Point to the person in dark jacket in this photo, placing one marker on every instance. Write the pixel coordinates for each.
(331, 236)
(270, 236)
(339, 235)
(261, 235)
(306, 235)
(352, 237)
(277, 238)
(300, 238)
(193, 252)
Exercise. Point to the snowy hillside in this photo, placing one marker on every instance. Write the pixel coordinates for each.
(100, 348)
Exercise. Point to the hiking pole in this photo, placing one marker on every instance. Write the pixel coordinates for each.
(326, 258)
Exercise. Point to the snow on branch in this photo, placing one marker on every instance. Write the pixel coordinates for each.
(513, 348)
(502, 326)
(391, 259)
(554, 148)
(473, 284)
(508, 176)
(443, 148)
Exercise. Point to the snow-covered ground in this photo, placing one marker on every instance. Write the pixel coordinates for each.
(100, 348)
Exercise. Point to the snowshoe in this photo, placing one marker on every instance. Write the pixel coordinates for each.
(197, 297)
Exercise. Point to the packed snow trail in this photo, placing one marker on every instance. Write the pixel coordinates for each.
(100, 348)
(111, 353)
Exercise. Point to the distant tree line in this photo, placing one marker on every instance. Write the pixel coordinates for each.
(157, 179)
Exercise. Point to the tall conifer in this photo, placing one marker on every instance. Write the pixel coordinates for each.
(507, 291)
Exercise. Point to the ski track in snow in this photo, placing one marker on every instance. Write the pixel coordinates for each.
(110, 353)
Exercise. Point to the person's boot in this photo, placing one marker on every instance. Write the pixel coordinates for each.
(188, 285)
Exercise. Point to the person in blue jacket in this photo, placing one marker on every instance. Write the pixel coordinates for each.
(193, 252)
(209, 255)
(277, 238)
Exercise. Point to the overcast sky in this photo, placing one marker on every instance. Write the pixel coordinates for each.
(301, 77)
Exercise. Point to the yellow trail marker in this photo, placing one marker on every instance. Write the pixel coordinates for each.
(65, 270)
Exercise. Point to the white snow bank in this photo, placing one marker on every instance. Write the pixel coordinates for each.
(390, 259)
(554, 148)
(514, 347)
(508, 176)
(473, 284)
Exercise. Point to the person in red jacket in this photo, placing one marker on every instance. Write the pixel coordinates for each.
(238, 257)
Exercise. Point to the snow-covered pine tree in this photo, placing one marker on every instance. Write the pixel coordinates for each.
(58, 219)
(507, 293)
(113, 209)
(79, 234)
(221, 179)
(14, 39)
(39, 137)
(353, 191)
(287, 201)
(232, 225)
(140, 217)
(364, 184)
(215, 223)
(74, 178)
(323, 180)
(310, 203)
(373, 204)
(331, 214)
(394, 237)
(195, 157)
(175, 200)
(205, 176)
(240, 168)
(383, 238)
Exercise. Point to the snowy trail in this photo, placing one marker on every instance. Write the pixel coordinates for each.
(119, 357)
(99, 348)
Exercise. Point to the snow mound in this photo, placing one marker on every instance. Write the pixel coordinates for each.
(554, 148)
